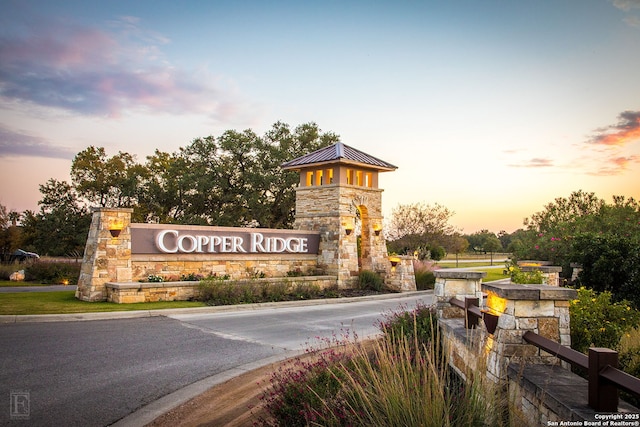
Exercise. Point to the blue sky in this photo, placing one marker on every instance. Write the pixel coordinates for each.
(491, 108)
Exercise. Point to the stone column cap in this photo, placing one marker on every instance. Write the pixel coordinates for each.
(515, 291)
(446, 274)
(107, 209)
(542, 268)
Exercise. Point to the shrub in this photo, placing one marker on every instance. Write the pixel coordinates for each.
(221, 292)
(7, 270)
(610, 263)
(215, 291)
(597, 321)
(418, 325)
(52, 272)
(276, 291)
(425, 279)
(519, 276)
(191, 277)
(630, 360)
(370, 280)
(298, 390)
(305, 291)
(295, 273)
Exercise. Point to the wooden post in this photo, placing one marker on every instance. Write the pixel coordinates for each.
(471, 321)
(603, 395)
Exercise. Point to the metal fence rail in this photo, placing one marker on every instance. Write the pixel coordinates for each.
(605, 379)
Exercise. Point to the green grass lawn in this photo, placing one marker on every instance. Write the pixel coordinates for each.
(493, 273)
(65, 302)
(7, 284)
(452, 264)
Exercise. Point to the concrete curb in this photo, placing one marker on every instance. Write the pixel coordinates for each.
(153, 410)
(75, 317)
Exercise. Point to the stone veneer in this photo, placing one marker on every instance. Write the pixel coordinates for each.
(125, 293)
(331, 210)
(106, 258)
(542, 309)
(550, 273)
(171, 267)
(401, 277)
(455, 284)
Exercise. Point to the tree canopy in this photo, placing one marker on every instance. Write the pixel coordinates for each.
(234, 179)
(422, 228)
(604, 238)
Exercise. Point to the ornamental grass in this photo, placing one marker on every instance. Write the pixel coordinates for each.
(401, 379)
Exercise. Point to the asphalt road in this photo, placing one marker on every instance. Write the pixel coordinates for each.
(128, 371)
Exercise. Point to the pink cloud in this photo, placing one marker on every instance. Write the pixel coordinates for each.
(616, 165)
(91, 71)
(536, 162)
(626, 131)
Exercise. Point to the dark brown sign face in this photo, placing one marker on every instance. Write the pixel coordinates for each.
(147, 239)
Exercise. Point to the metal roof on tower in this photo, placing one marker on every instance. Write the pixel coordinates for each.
(338, 152)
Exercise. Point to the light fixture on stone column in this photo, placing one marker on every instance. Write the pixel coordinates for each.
(115, 227)
(377, 229)
(348, 227)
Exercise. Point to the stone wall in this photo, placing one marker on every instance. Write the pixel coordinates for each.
(550, 273)
(171, 267)
(125, 293)
(541, 388)
(455, 284)
(542, 309)
(401, 276)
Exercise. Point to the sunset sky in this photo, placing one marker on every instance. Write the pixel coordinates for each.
(490, 108)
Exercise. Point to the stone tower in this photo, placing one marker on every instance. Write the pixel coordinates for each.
(338, 196)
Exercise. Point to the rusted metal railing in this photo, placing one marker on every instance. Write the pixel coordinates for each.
(473, 314)
(605, 379)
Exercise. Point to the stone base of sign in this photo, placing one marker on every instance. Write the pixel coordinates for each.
(127, 293)
(175, 266)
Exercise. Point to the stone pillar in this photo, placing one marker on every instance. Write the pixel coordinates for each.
(550, 273)
(331, 210)
(576, 269)
(107, 254)
(456, 284)
(401, 277)
(542, 309)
